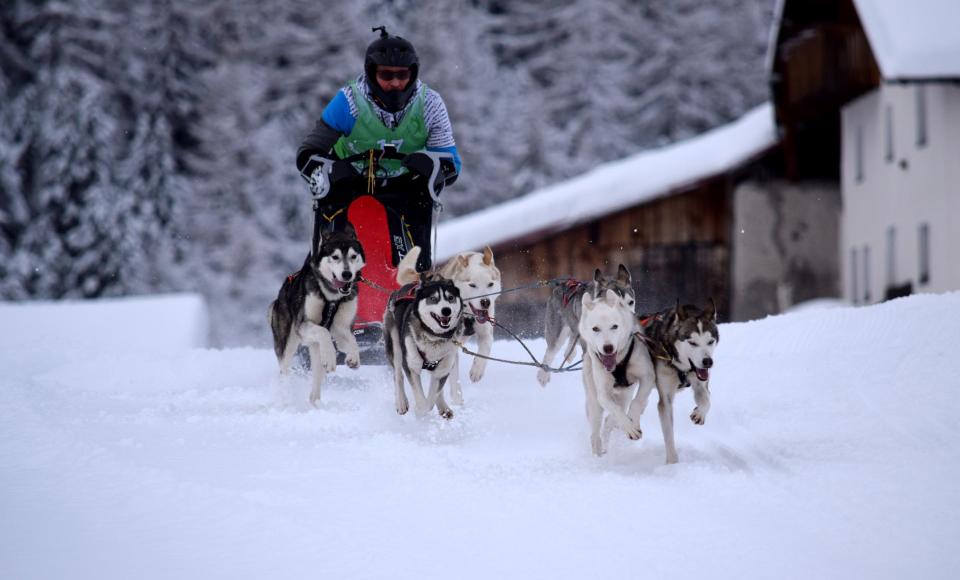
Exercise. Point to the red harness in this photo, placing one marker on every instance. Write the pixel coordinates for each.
(410, 295)
(571, 289)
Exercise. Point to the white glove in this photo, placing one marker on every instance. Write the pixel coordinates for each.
(320, 179)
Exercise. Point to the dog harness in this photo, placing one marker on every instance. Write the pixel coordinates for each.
(330, 307)
(408, 293)
(428, 365)
(572, 286)
(664, 351)
(620, 372)
(329, 311)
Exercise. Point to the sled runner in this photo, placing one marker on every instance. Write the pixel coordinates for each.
(391, 211)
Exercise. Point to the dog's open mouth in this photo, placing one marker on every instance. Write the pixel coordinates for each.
(341, 286)
(609, 361)
(702, 374)
(443, 321)
(481, 315)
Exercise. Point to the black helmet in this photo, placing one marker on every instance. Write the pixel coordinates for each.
(390, 51)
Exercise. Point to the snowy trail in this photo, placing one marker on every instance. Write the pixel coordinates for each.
(831, 451)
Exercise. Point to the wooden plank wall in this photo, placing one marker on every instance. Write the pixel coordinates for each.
(676, 246)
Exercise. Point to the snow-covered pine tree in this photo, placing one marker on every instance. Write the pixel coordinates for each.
(65, 214)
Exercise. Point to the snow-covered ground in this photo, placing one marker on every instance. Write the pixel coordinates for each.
(832, 451)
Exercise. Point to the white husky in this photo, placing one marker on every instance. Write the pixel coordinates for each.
(614, 362)
(479, 282)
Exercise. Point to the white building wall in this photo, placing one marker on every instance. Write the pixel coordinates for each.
(916, 185)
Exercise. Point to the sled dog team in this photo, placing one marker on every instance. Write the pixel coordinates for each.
(427, 319)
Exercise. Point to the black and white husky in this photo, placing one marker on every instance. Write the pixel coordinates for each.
(316, 306)
(422, 324)
(564, 308)
(681, 342)
(614, 362)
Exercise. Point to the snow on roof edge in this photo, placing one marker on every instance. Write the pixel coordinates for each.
(912, 41)
(625, 183)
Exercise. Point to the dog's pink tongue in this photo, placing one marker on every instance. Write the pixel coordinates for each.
(609, 361)
(481, 315)
(702, 374)
(338, 284)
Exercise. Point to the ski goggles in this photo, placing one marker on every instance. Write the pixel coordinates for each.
(389, 75)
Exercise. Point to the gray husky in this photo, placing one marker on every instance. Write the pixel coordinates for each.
(422, 325)
(316, 306)
(564, 308)
(680, 341)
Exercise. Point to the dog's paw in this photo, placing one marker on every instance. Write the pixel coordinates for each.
(446, 413)
(353, 360)
(698, 417)
(544, 377)
(633, 431)
(476, 369)
(402, 405)
(315, 397)
(596, 445)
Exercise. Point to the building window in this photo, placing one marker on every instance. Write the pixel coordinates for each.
(854, 274)
(888, 134)
(858, 154)
(891, 256)
(866, 274)
(921, 96)
(923, 243)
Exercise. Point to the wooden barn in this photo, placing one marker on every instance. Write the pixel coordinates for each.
(844, 186)
(666, 214)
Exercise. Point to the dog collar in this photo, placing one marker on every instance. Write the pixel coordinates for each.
(681, 374)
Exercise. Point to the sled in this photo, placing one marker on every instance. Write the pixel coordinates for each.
(371, 216)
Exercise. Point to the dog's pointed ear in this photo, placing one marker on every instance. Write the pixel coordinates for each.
(350, 230)
(710, 310)
(463, 260)
(487, 256)
(680, 313)
(623, 275)
(586, 301)
(611, 298)
(597, 276)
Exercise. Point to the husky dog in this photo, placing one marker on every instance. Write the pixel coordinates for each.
(316, 307)
(422, 324)
(563, 311)
(681, 342)
(614, 361)
(478, 279)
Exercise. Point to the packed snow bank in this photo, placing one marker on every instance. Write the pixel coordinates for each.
(832, 450)
(173, 322)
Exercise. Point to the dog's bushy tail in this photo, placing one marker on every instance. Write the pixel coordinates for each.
(407, 268)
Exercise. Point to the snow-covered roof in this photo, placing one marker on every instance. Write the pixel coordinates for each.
(913, 39)
(612, 186)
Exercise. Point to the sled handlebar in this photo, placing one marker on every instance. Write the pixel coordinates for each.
(335, 170)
